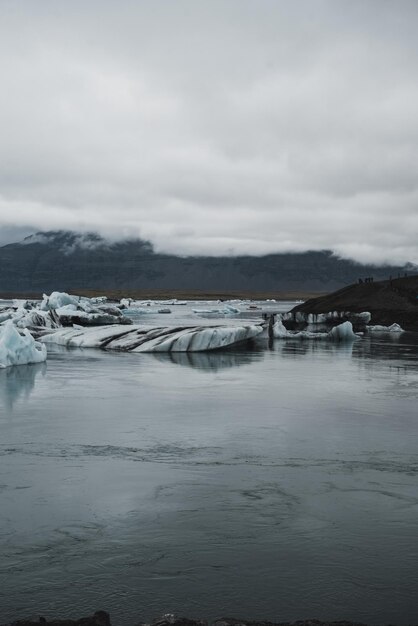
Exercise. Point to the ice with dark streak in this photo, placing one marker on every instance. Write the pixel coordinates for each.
(151, 339)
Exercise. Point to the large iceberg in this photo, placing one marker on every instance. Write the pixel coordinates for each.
(151, 339)
(19, 348)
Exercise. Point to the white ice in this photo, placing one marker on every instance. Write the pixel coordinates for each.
(394, 328)
(17, 348)
(342, 332)
(281, 332)
(227, 309)
(57, 300)
(151, 339)
(60, 309)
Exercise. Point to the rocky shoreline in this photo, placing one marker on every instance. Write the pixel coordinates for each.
(101, 618)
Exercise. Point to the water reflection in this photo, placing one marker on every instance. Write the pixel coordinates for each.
(389, 346)
(300, 348)
(209, 361)
(18, 382)
(374, 347)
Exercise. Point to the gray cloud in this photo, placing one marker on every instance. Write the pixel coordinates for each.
(221, 126)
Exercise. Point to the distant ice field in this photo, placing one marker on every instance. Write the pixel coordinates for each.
(204, 312)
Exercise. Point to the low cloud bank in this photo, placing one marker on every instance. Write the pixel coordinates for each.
(213, 128)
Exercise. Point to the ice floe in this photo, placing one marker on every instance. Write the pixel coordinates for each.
(341, 332)
(147, 339)
(227, 309)
(19, 348)
(393, 328)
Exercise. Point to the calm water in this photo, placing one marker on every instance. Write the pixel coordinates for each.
(279, 483)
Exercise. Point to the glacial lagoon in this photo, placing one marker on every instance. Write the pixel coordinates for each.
(273, 483)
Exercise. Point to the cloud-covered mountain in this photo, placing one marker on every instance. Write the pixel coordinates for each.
(215, 127)
(67, 260)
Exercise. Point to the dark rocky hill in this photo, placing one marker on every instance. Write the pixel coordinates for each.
(389, 301)
(69, 261)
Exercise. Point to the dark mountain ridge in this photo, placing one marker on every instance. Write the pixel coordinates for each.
(68, 261)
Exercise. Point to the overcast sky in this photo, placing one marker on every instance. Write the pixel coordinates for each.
(213, 126)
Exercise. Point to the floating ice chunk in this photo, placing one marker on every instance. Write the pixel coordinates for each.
(323, 318)
(151, 339)
(61, 309)
(226, 310)
(231, 309)
(111, 310)
(207, 311)
(363, 317)
(281, 332)
(141, 310)
(58, 299)
(394, 328)
(19, 349)
(342, 332)
(98, 300)
(37, 318)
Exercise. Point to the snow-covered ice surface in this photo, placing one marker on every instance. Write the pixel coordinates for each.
(151, 339)
(19, 348)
